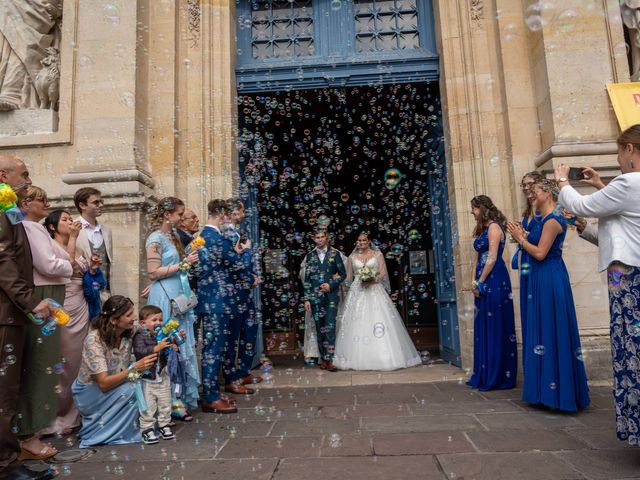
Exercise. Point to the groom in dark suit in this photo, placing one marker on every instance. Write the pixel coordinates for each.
(323, 275)
(216, 295)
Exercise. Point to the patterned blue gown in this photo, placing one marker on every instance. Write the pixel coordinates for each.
(624, 304)
(495, 356)
(552, 356)
(161, 293)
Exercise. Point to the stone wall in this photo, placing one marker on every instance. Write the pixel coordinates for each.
(148, 109)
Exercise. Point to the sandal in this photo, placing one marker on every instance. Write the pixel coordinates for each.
(46, 452)
(186, 417)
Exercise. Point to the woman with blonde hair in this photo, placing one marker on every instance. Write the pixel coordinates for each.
(167, 266)
(617, 207)
(554, 373)
(52, 270)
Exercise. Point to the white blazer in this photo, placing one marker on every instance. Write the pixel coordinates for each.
(617, 206)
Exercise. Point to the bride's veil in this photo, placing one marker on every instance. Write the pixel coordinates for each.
(381, 266)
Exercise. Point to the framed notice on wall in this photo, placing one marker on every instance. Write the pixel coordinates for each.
(625, 98)
(418, 262)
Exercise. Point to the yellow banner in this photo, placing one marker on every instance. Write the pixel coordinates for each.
(625, 98)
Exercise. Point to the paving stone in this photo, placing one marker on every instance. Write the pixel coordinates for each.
(481, 406)
(336, 445)
(270, 413)
(506, 466)
(315, 426)
(516, 441)
(510, 394)
(359, 468)
(392, 397)
(224, 429)
(178, 449)
(592, 418)
(602, 402)
(605, 464)
(600, 438)
(304, 400)
(527, 420)
(351, 411)
(450, 396)
(124, 469)
(254, 469)
(420, 423)
(271, 447)
(421, 443)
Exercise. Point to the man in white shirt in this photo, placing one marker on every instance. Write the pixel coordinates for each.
(94, 237)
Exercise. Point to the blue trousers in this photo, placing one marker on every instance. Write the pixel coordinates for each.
(248, 336)
(215, 329)
(242, 338)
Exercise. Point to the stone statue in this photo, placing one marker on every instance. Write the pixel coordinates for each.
(630, 10)
(29, 53)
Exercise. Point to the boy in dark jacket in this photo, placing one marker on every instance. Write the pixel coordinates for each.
(155, 383)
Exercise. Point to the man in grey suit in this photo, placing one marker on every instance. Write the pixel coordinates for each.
(94, 237)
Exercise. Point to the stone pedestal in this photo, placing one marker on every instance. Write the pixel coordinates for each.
(28, 122)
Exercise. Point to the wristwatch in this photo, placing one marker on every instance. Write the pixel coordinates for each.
(563, 179)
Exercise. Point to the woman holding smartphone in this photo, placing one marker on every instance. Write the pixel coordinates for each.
(618, 210)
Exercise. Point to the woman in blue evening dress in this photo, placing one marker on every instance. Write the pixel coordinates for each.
(495, 358)
(553, 361)
(164, 263)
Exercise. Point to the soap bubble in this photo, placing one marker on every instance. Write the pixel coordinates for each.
(8, 348)
(336, 4)
(539, 349)
(567, 21)
(11, 359)
(378, 330)
(392, 178)
(111, 14)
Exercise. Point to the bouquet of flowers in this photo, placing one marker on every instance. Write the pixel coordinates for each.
(367, 274)
(8, 203)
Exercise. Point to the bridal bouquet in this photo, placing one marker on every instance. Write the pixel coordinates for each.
(367, 274)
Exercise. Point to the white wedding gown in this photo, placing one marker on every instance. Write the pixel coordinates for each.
(372, 335)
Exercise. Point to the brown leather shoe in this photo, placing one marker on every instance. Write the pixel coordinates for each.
(323, 365)
(219, 406)
(331, 367)
(228, 398)
(238, 389)
(250, 380)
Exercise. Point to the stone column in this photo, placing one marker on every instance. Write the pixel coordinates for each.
(478, 154)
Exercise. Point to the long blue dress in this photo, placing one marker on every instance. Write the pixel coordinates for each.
(495, 356)
(552, 356)
(161, 293)
(524, 266)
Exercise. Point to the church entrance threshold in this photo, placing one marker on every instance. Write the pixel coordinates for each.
(349, 160)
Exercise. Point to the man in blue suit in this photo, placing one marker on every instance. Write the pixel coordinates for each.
(324, 273)
(219, 258)
(244, 326)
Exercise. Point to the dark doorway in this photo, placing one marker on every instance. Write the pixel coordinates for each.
(351, 159)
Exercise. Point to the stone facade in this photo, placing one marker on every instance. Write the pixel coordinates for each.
(148, 109)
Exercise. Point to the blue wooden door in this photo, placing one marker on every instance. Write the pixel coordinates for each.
(306, 44)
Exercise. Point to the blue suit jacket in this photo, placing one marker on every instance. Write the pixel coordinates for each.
(219, 264)
(243, 278)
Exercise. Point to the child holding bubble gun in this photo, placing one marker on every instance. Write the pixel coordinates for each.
(156, 385)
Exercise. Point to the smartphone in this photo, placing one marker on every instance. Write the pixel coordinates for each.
(576, 174)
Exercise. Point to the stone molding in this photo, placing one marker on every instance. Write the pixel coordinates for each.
(108, 176)
(476, 11)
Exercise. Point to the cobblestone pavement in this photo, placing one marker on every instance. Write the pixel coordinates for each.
(441, 431)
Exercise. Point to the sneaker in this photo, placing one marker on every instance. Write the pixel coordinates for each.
(166, 433)
(149, 437)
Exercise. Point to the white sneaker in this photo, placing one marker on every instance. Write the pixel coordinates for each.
(166, 433)
(149, 437)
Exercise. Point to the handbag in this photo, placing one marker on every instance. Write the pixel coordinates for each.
(181, 304)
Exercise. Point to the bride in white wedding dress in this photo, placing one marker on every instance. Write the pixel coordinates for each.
(372, 335)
